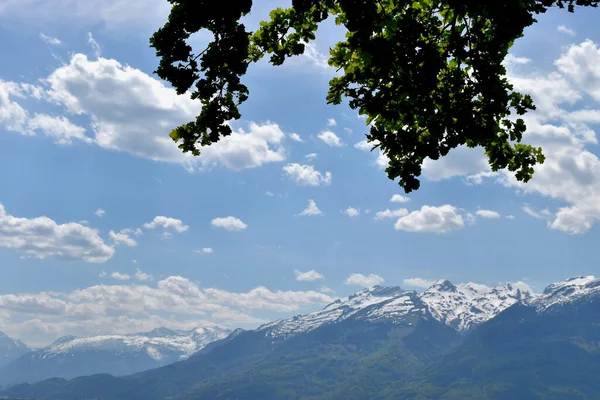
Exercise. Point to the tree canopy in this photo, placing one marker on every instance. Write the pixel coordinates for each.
(427, 74)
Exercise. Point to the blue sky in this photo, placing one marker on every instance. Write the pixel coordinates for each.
(282, 218)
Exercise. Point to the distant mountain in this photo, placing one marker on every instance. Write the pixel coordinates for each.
(545, 348)
(69, 356)
(450, 342)
(11, 349)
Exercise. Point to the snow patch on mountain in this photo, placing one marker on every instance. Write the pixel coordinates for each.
(373, 303)
(567, 292)
(468, 304)
(157, 343)
(460, 307)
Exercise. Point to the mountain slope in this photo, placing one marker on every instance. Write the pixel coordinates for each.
(547, 348)
(450, 342)
(308, 355)
(69, 357)
(11, 349)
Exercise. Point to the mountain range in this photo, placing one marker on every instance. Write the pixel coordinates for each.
(70, 356)
(465, 341)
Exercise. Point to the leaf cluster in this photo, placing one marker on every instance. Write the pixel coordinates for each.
(427, 74)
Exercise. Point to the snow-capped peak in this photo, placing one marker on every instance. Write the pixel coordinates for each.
(568, 291)
(468, 304)
(372, 303)
(158, 343)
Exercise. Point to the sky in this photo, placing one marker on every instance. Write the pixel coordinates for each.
(106, 227)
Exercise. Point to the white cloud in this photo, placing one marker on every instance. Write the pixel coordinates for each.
(510, 217)
(571, 172)
(142, 276)
(311, 209)
(564, 29)
(331, 122)
(487, 214)
(60, 128)
(512, 60)
(351, 212)
(458, 162)
(544, 214)
(316, 58)
(133, 16)
(391, 213)
(398, 198)
(122, 237)
(49, 39)
(331, 139)
(308, 276)
(15, 118)
(311, 156)
(100, 212)
(166, 223)
(365, 281)
(229, 223)
(325, 289)
(441, 219)
(42, 237)
(419, 282)
(133, 112)
(268, 193)
(120, 276)
(132, 307)
(470, 218)
(307, 175)
(296, 138)
(102, 274)
(363, 145)
(205, 250)
(94, 45)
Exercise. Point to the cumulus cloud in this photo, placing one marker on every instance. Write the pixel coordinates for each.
(123, 237)
(331, 139)
(387, 213)
(458, 162)
(365, 281)
(419, 282)
(308, 276)
(565, 30)
(363, 145)
(487, 214)
(398, 198)
(331, 122)
(120, 276)
(126, 306)
(307, 175)
(571, 172)
(100, 213)
(296, 138)
(14, 118)
(42, 237)
(167, 224)
(351, 212)
(142, 276)
(441, 219)
(311, 156)
(229, 223)
(512, 60)
(133, 112)
(311, 209)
